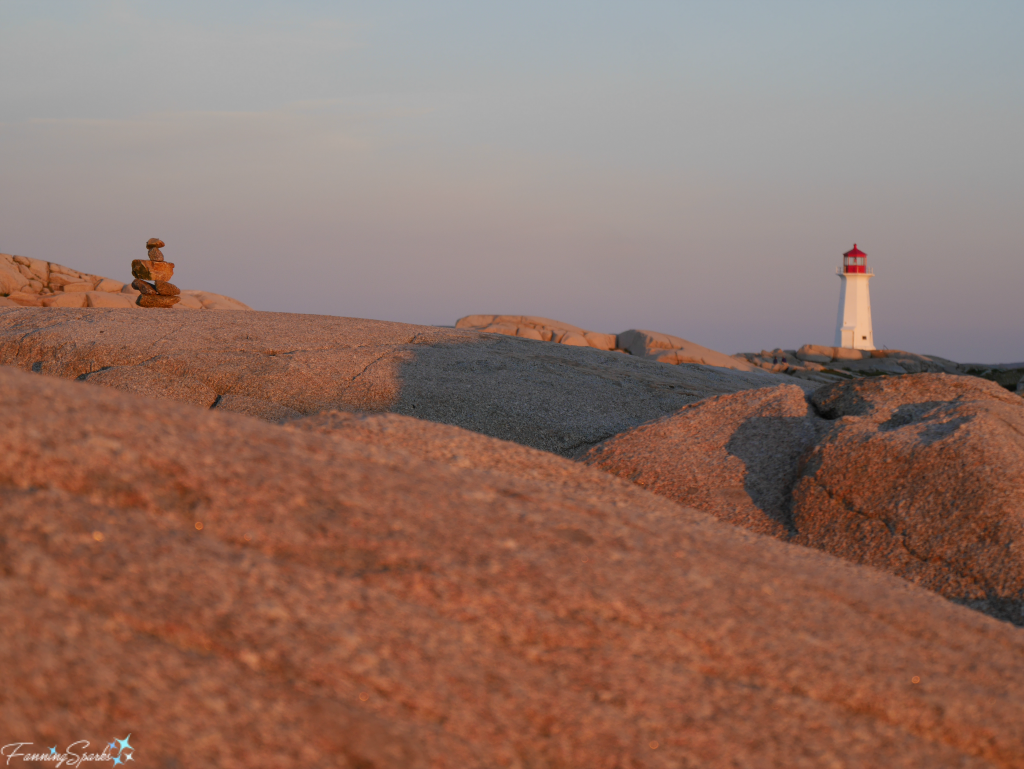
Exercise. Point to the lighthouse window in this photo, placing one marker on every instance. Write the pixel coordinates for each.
(860, 260)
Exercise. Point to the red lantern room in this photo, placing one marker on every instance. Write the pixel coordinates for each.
(854, 261)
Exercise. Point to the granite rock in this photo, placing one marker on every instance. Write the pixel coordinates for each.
(402, 595)
(554, 397)
(672, 349)
(918, 475)
(156, 300)
(735, 456)
(167, 289)
(144, 287)
(148, 270)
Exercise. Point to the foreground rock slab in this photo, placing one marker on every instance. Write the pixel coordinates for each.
(346, 592)
(281, 366)
(921, 476)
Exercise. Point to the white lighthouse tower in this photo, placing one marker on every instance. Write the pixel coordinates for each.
(853, 326)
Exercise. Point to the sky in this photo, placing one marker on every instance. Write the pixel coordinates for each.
(695, 168)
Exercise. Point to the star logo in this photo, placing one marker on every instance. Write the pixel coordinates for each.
(53, 751)
(124, 745)
(117, 760)
(128, 757)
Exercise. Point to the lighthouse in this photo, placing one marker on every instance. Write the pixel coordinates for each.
(853, 326)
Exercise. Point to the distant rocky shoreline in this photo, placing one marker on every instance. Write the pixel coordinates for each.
(811, 363)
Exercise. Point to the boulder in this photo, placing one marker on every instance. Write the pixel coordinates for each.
(76, 299)
(167, 289)
(58, 280)
(105, 299)
(529, 333)
(11, 279)
(538, 328)
(815, 353)
(112, 286)
(144, 269)
(734, 456)
(23, 299)
(155, 301)
(188, 302)
(382, 592)
(921, 476)
(601, 341)
(80, 287)
(39, 269)
(845, 353)
(574, 339)
(5, 302)
(554, 397)
(211, 301)
(874, 366)
(673, 349)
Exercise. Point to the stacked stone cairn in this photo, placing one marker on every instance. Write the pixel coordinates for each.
(158, 293)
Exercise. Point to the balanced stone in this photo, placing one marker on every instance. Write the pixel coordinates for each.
(155, 300)
(145, 269)
(167, 289)
(158, 293)
(143, 287)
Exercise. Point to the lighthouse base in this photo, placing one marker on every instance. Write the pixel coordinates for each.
(853, 324)
(846, 336)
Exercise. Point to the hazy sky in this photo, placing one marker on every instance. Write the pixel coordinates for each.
(696, 168)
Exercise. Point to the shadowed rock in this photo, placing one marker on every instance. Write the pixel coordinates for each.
(922, 476)
(278, 366)
(379, 591)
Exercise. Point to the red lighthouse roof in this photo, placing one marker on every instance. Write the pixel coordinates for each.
(854, 251)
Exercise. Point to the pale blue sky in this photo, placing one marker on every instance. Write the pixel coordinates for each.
(690, 167)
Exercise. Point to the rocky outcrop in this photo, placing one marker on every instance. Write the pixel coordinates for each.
(26, 282)
(826, 365)
(379, 591)
(278, 366)
(652, 345)
(673, 349)
(921, 476)
(538, 329)
(736, 457)
(1008, 375)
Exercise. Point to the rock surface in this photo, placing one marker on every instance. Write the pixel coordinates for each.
(157, 300)
(735, 456)
(673, 349)
(817, 363)
(145, 269)
(921, 476)
(236, 593)
(280, 366)
(645, 344)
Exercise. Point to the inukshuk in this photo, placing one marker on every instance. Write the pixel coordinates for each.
(158, 293)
